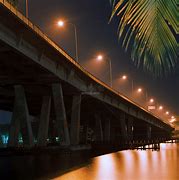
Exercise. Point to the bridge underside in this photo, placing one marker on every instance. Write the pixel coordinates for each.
(54, 102)
(95, 121)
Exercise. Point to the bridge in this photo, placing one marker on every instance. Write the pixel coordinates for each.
(54, 100)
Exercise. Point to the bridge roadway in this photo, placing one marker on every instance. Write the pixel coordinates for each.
(53, 98)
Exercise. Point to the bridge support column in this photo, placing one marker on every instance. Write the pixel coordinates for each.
(60, 112)
(75, 120)
(1, 142)
(130, 128)
(85, 131)
(44, 121)
(123, 126)
(107, 130)
(98, 129)
(149, 132)
(20, 120)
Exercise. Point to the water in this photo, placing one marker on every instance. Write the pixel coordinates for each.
(124, 165)
(131, 165)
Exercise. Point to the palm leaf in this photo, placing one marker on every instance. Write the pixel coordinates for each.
(149, 30)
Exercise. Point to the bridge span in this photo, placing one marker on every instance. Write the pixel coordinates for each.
(55, 100)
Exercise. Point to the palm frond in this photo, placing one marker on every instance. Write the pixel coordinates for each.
(149, 30)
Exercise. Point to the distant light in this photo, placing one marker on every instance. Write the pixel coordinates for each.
(139, 90)
(151, 100)
(99, 57)
(173, 117)
(160, 107)
(124, 77)
(173, 120)
(167, 113)
(60, 23)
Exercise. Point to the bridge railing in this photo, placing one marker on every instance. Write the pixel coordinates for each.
(55, 46)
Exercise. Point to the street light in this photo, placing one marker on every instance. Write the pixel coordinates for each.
(61, 23)
(124, 77)
(26, 9)
(167, 113)
(100, 58)
(151, 100)
(139, 90)
(160, 107)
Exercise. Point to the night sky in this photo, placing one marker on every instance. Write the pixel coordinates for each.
(95, 36)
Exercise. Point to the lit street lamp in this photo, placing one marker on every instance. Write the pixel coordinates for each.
(167, 113)
(125, 77)
(160, 108)
(139, 90)
(100, 58)
(61, 23)
(147, 101)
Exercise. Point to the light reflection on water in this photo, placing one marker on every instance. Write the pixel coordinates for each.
(131, 165)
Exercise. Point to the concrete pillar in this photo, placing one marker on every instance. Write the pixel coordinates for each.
(52, 131)
(113, 134)
(20, 120)
(85, 131)
(123, 126)
(1, 142)
(107, 130)
(44, 121)
(130, 128)
(98, 129)
(60, 112)
(75, 120)
(149, 132)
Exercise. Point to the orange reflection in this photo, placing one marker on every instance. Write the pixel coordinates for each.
(131, 165)
(105, 167)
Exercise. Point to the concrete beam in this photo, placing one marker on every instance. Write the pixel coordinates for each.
(60, 112)
(20, 120)
(75, 120)
(98, 129)
(44, 122)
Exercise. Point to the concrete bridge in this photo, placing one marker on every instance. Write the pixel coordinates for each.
(55, 100)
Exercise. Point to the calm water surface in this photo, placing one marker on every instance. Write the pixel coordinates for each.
(124, 165)
(131, 165)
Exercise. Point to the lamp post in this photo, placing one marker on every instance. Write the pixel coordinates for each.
(140, 90)
(26, 8)
(132, 86)
(100, 58)
(61, 24)
(124, 77)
